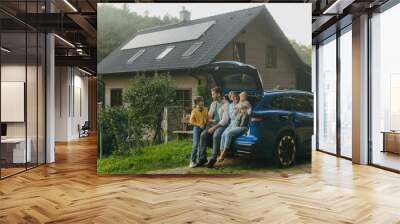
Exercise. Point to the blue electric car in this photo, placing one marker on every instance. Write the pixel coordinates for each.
(281, 123)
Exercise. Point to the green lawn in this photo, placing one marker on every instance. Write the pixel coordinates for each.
(173, 158)
(154, 157)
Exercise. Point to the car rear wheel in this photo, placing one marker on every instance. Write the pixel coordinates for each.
(285, 150)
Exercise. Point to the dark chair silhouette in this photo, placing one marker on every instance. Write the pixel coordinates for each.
(84, 130)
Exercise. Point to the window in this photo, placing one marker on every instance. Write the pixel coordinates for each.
(184, 98)
(135, 56)
(385, 88)
(22, 88)
(271, 57)
(346, 94)
(165, 52)
(238, 81)
(302, 104)
(281, 103)
(327, 96)
(116, 97)
(239, 52)
(192, 49)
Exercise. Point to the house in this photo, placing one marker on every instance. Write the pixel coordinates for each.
(250, 35)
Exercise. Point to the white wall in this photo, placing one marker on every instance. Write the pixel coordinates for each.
(70, 83)
(181, 82)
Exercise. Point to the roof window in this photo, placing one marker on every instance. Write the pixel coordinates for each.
(192, 49)
(165, 52)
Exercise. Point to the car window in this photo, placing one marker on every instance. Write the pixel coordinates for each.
(239, 81)
(302, 103)
(281, 103)
(253, 100)
(292, 103)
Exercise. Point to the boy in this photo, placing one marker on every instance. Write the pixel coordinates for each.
(199, 119)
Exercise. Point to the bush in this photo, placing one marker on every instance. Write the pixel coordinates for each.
(120, 130)
(203, 89)
(146, 98)
(139, 120)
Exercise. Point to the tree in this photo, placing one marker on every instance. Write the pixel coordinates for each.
(116, 25)
(120, 130)
(146, 98)
(303, 51)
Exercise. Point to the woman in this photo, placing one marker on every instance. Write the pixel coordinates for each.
(234, 97)
(240, 127)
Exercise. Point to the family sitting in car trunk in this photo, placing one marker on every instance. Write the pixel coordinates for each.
(227, 118)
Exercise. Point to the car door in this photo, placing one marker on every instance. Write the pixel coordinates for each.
(279, 115)
(235, 76)
(303, 120)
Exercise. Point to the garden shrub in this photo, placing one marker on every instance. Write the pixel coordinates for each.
(127, 128)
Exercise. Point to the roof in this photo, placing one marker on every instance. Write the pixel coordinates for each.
(224, 29)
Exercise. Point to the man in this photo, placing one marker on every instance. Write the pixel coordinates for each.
(219, 118)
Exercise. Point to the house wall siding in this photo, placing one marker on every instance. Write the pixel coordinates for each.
(181, 82)
(256, 38)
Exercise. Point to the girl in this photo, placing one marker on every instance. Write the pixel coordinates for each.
(243, 100)
(234, 97)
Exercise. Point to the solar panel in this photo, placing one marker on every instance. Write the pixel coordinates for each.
(192, 49)
(135, 56)
(183, 33)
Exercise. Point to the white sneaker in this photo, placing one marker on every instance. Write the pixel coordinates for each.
(192, 165)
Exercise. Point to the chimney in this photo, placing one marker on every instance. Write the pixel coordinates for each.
(184, 15)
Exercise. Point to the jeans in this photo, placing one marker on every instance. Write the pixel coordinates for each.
(195, 144)
(216, 139)
(229, 134)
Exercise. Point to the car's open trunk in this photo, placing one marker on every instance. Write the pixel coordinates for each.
(235, 76)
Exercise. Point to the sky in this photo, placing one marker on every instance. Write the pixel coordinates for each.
(294, 19)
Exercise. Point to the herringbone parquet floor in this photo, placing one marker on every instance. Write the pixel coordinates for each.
(70, 191)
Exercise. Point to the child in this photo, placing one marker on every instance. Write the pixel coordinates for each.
(199, 119)
(243, 100)
(242, 122)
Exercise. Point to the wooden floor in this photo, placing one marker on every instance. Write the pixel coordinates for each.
(386, 159)
(70, 191)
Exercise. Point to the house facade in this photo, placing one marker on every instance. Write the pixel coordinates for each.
(250, 36)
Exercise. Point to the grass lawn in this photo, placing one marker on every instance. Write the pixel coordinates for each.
(154, 157)
(173, 158)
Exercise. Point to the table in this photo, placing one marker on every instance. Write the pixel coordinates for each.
(13, 150)
(391, 141)
(183, 134)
